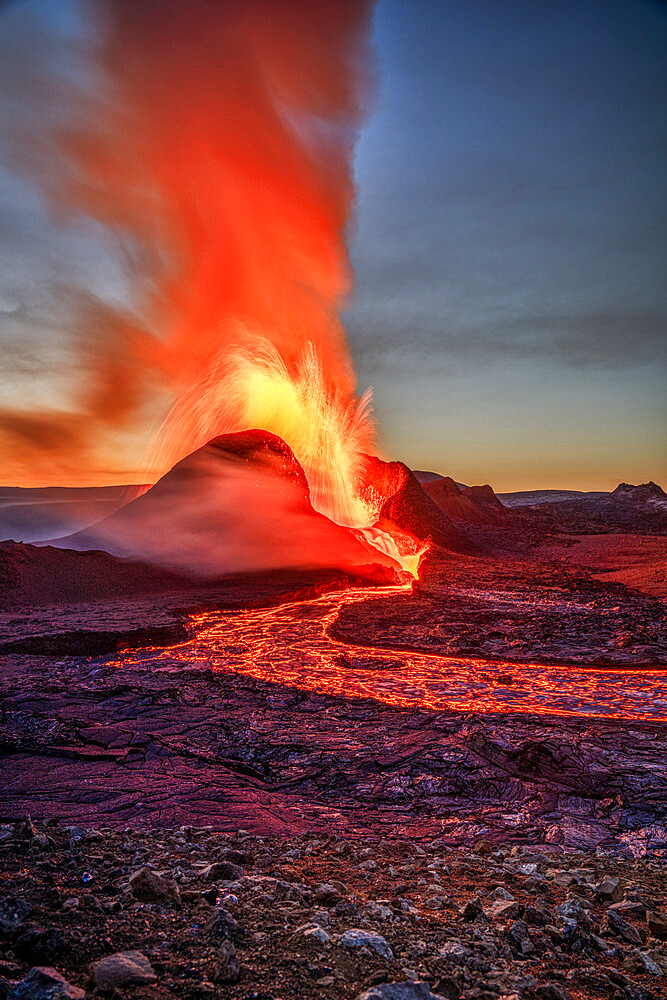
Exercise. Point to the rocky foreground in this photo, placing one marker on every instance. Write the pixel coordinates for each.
(193, 913)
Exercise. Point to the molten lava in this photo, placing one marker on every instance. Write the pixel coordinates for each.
(328, 431)
(292, 645)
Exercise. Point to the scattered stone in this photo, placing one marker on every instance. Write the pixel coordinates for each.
(41, 944)
(630, 908)
(552, 991)
(483, 847)
(502, 909)
(400, 991)
(455, 951)
(378, 911)
(536, 916)
(641, 963)
(25, 830)
(44, 983)
(659, 956)
(615, 924)
(572, 910)
(327, 894)
(221, 925)
(227, 969)
(124, 968)
(313, 933)
(519, 938)
(609, 889)
(13, 913)
(148, 886)
(500, 893)
(657, 924)
(471, 910)
(356, 937)
(276, 935)
(345, 908)
(222, 871)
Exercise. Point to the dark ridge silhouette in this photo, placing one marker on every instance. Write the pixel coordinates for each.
(483, 496)
(644, 492)
(459, 504)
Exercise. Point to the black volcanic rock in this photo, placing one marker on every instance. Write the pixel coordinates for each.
(640, 494)
(629, 509)
(239, 503)
(461, 504)
(483, 496)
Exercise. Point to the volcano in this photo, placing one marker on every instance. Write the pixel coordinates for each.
(241, 502)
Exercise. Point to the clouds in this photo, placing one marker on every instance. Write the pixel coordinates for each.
(513, 192)
(609, 341)
(512, 231)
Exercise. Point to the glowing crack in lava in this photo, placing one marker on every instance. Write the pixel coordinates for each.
(291, 645)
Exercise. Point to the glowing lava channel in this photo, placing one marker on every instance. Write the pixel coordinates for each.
(291, 645)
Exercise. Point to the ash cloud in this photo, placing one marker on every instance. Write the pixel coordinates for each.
(195, 162)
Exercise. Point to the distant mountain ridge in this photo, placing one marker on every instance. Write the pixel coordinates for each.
(645, 493)
(32, 514)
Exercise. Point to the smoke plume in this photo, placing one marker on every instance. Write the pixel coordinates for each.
(211, 145)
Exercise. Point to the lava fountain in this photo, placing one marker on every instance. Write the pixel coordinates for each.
(217, 149)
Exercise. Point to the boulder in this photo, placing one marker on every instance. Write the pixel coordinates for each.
(124, 968)
(44, 983)
(150, 887)
(357, 937)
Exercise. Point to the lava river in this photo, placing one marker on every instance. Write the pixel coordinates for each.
(291, 645)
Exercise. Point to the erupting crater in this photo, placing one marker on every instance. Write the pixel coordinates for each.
(243, 502)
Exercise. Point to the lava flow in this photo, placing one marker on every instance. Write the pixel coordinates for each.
(291, 645)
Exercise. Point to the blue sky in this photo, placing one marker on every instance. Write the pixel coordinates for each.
(510, 251)
(510, 308)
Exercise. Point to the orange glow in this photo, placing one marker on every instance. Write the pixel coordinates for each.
(290, 645)
(215, 148)
(327, 430)
(225, 153)
(223, 157)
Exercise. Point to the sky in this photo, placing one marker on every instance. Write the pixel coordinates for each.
(509, 245)
(510, 253)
